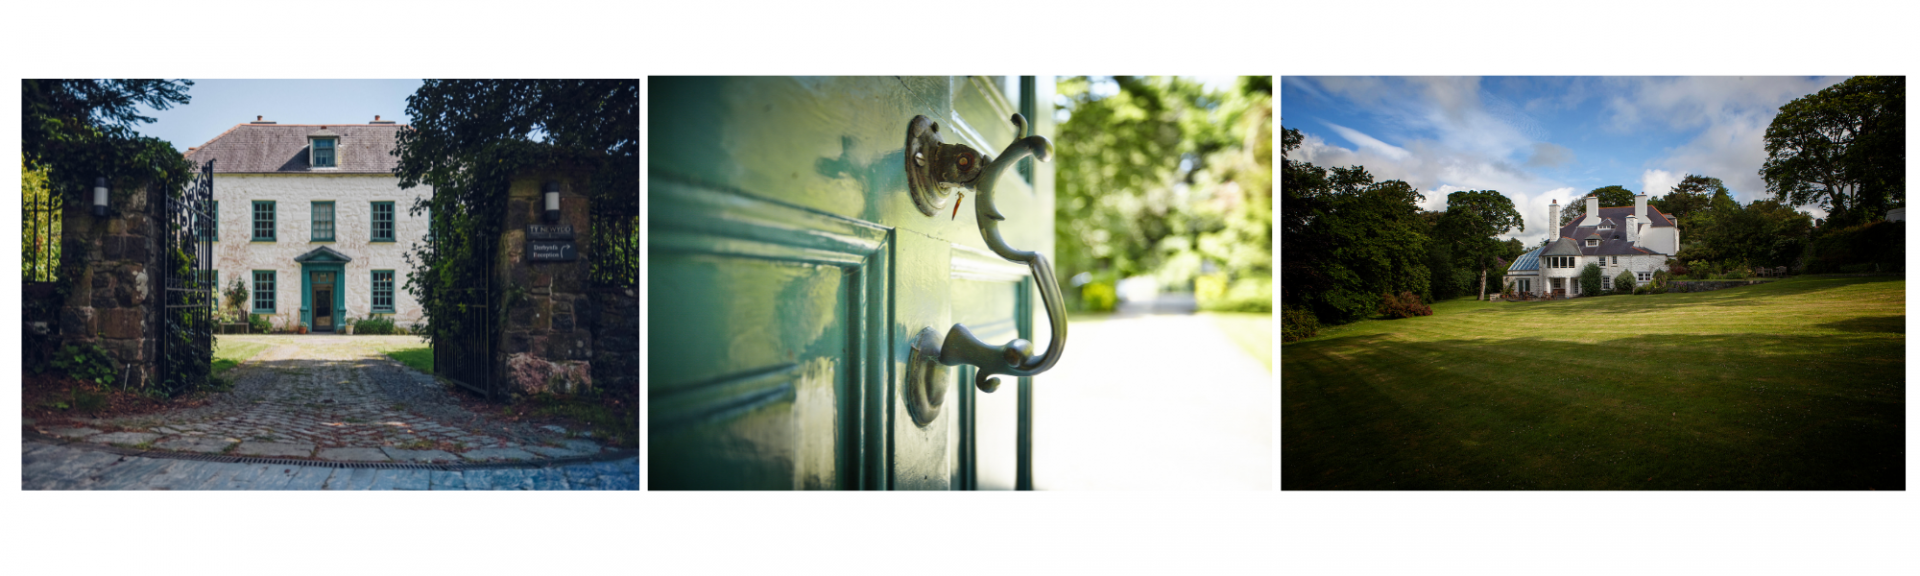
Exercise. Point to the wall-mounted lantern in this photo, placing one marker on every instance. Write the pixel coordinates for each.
(100, 197)
(553, 201)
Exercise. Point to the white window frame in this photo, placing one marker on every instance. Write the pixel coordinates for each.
(1606, 283)
(1643, 276)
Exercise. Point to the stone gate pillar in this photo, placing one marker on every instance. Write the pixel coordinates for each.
(115, 301)
(547, 337)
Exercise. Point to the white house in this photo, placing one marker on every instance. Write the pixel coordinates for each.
(1624, 238)
(312, 218)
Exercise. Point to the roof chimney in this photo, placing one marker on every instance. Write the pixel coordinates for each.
(1593, 211)
(377, 120)
(1640, 207)
(261, 120)
(1553, 220)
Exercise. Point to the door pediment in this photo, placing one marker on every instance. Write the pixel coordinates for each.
(323, 255)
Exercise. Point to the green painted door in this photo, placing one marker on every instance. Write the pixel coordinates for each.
(789, 270)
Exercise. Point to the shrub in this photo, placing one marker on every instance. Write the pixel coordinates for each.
(1590, 280)
(236, 295)
(1623, 283)
(1243, 295)
(1297, 323)
(1738, 273)
(1099, 296)
(86, 362)
(259, 324)
(1640, 290)
(375, 327)
(1676, 268)
(1406, 305)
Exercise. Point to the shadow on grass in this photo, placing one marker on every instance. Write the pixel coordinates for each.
(1675, 412)
(1741, 296)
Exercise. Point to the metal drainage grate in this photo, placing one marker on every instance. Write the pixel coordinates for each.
(450, 467)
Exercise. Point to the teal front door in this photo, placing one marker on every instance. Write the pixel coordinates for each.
(790, 271)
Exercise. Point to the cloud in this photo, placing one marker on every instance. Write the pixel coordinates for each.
(1549, 155)
(1658, 182)
(1369, 143)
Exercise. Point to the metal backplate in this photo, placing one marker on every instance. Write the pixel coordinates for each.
(926, 386)
(936, 169)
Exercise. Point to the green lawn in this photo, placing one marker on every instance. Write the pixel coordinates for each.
(1795, 384)
(228, 353)
(1253, 332)
(415, 357)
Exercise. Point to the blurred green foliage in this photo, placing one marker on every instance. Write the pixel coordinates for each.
(1099, 297)
(1162, 176)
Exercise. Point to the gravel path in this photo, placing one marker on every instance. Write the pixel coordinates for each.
(336, 398)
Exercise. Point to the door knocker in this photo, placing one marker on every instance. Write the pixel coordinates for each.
(935, 168)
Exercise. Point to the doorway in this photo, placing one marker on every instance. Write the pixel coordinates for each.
(324, 284)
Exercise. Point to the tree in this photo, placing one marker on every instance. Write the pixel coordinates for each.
(470, 138)
(1689, 199)
(1615, 195)
(1162, 173)
(79, 130)
(1348, 239)
(1842, 149)
(1472, 220)
(1590, 280)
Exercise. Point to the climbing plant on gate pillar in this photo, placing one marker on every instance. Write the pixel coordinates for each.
(469, 138)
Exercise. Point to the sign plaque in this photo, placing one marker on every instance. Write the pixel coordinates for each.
(550, 232)
(538, 251)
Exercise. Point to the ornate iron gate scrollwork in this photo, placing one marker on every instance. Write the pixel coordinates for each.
(185, 354)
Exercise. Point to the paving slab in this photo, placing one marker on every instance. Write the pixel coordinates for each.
(552, 452)
(257, 448)
(353, 455)
(401, 455)
(126, 438)
(548, 479)
(66, 432)
(309, 478)
(446, 480)
(201, 444)
(485, 454)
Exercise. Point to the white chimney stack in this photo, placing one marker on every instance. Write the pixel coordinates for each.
(1553, 221)
(1633, 230)
(1593, 211)
(1640, 206)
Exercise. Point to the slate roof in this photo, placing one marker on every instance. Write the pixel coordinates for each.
(282, 149)
(1618, 215)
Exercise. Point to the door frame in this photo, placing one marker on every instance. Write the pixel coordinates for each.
(307, 270)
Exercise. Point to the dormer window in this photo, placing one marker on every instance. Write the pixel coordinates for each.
(323, 153)
(1592, 242)
(323, 149)
(1606, 225)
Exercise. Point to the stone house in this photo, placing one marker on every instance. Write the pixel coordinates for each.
(1635, 238)
(313, 220)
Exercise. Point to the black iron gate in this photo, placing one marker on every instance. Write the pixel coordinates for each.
(463, 351)
(186, 341)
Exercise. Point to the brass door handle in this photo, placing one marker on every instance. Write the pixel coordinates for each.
(942, 167)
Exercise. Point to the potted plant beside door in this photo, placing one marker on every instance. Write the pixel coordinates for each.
(348, 326)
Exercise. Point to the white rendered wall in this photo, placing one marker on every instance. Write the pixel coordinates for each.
(237, 256)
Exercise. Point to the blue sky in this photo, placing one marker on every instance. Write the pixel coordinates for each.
(220, 104)
(1539, 139)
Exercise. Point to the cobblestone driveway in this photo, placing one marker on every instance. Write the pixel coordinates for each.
(52, 466)
(335, 398)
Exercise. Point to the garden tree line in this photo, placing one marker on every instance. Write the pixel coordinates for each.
(1163, 176)
(1348, 240)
